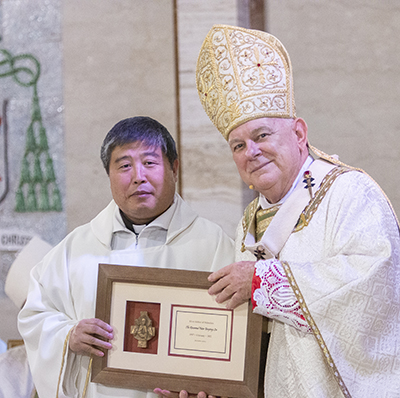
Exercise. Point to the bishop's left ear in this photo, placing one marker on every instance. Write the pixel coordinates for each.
(301, 131)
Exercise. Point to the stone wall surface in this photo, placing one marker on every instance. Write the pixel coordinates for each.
(345, 61)
(32, 156)
(210, 182)
(118, 62)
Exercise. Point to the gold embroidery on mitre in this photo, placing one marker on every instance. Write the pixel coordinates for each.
(242, 75)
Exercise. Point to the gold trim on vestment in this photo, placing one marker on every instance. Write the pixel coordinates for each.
(253, 209)
(306, 216)
(310, 320)
(253, 213)
(309, 211)
(248, 217)
(332, 159)
(264, 218)
(65, 348)
(87, 377)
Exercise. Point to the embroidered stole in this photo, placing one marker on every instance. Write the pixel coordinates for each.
(275, 225)
(262, 220)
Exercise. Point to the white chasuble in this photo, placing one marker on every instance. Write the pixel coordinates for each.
(342, 262)
(63, 291)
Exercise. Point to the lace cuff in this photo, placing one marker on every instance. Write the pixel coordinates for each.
(273, 297)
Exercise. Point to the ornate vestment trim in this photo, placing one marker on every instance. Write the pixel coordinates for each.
(333, 159)
(248, 217)
(273, 297)
(63, 360)
(315, 329)
(65, 348)
(308, 213)
(264, 218)
(266, 215)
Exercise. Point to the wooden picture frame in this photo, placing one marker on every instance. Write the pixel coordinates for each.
(179, 288)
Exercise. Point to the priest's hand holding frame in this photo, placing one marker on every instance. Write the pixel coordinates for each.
(90, 337)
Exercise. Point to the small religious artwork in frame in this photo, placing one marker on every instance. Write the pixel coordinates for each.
(141, 327)
(170, 333)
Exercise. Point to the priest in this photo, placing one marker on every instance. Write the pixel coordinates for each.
(146, 224)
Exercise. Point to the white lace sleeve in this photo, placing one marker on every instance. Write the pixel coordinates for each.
(273, 297)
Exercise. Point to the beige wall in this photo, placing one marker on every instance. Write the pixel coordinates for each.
(118, 62)
(210, 182)
(346, 69)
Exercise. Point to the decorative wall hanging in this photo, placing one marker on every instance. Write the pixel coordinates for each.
(4, 177)
(37, 190)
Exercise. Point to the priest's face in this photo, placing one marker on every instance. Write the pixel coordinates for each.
(142, 181)
(269, 153)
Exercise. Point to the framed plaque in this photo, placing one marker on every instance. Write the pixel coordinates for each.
(171, 334)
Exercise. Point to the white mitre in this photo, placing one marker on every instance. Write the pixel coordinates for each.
(242, 75)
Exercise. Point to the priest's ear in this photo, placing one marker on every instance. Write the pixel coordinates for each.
(175, 169)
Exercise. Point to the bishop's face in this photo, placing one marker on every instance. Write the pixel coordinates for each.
(142, 181)
(269, 153)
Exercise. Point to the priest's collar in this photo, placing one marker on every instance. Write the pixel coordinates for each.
(263, 200)
(163, 221)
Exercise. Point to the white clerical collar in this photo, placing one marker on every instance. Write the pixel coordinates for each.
(264, 202)
(162, 221)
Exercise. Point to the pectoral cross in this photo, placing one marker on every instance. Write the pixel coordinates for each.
(308, 181)
(260, 253)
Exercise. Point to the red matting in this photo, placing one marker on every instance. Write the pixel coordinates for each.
(133, 309)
